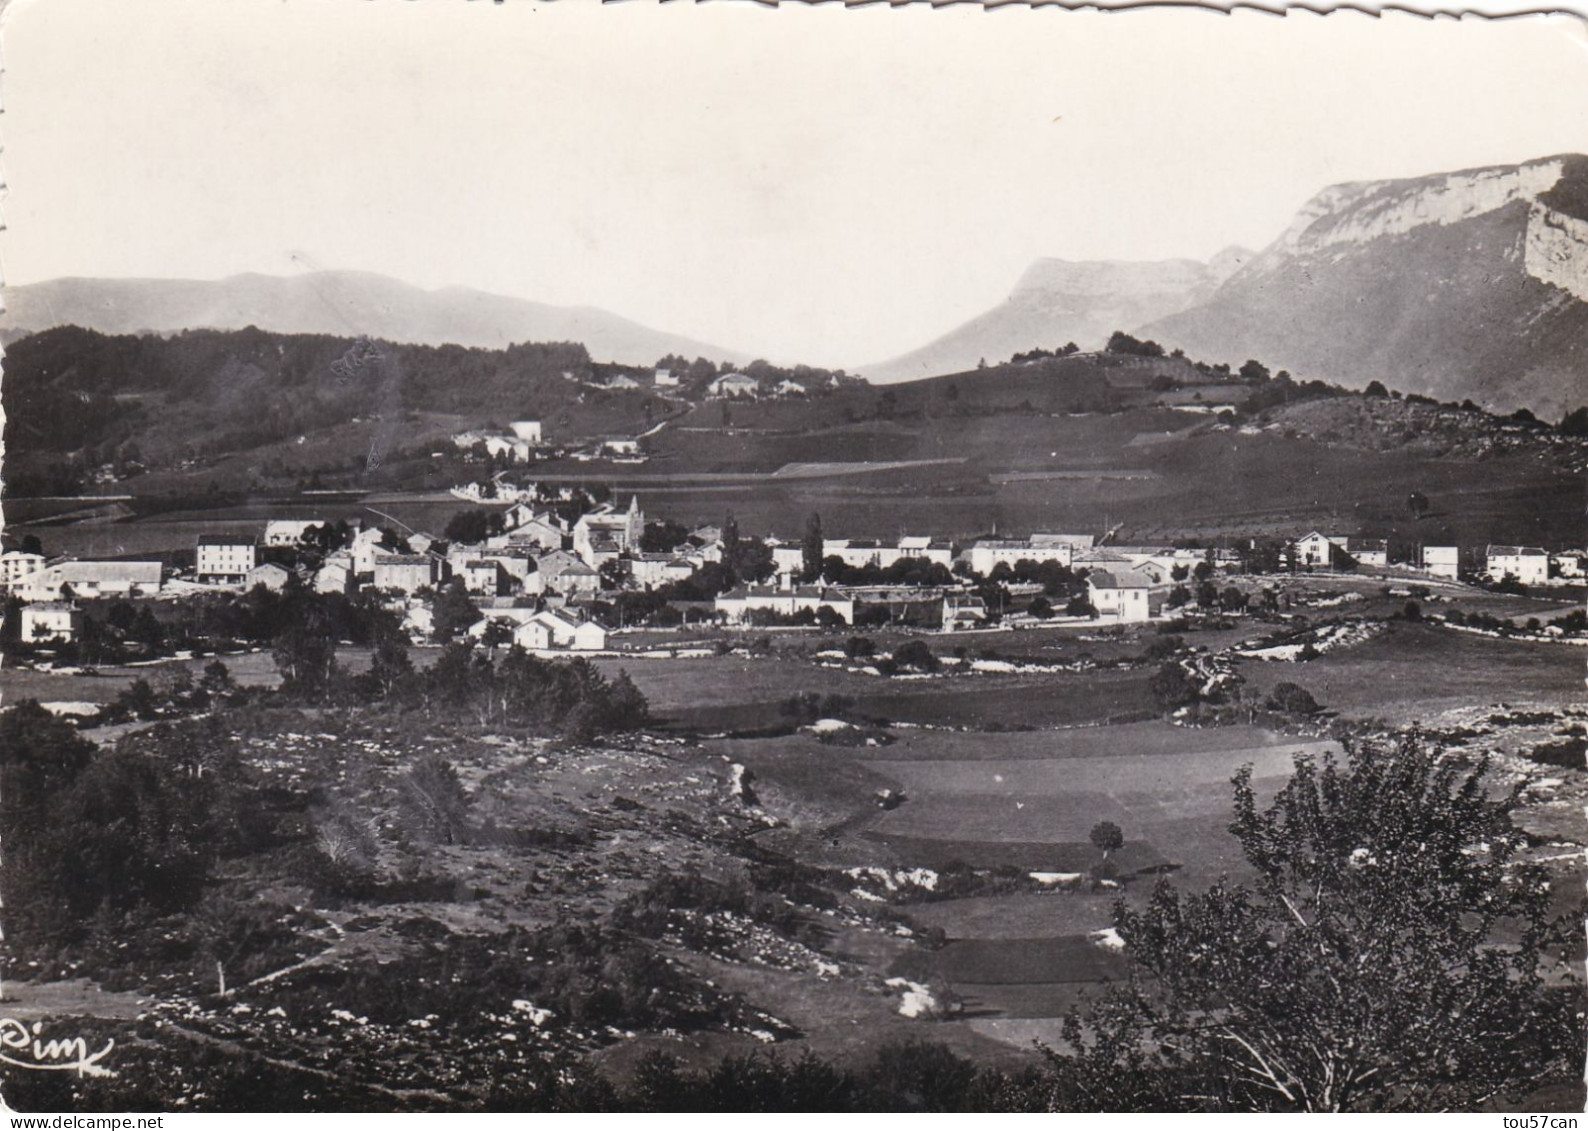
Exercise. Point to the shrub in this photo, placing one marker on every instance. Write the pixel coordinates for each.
(1292, 699)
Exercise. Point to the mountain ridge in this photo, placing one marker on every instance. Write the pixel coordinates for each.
(352, 303)
(1464, 285)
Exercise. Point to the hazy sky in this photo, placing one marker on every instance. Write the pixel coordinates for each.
(820, 184)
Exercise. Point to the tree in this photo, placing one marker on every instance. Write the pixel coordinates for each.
(1254, 370)
(1574, 423)
(811, 548)
(1417, 503)
(306, 659)
(1174, 687)
(1107, 838)
(1291, 699)
(472, 527)
(1375, 389)
(1390, 955)
(452, 611)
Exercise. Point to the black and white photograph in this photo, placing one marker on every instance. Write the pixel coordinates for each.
(743, 557)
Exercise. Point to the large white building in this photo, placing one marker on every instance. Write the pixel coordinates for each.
(528, 430)
(91, 579)
(1442, 561)
(1528, 564)
(225, 559)
(989, 553)
(17, 564)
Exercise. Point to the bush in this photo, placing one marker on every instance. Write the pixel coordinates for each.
(915, 654)
(1292, 699)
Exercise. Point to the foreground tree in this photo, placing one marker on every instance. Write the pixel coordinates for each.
(1390, 956)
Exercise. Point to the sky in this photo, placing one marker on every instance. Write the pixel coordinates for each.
(818, 184)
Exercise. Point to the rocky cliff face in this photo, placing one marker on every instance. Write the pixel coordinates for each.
(1058, 301)
(1470, 284)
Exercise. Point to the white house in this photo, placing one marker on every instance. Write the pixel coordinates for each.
(1528, 564)
(225, 559)
(665, 379)
(554, 628)
(366, 548)
(527, 430)
(788, 388)
(482, 575)
(17, 564)
(51, 622)
(91, 579)
(288, 531)
(1317, 551)
(1442, 561)
(734, 385)
(268, 574)
(406, 573)
(1122, 595)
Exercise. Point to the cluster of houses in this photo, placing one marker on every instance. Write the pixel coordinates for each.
(531, 578)
(1529, 565)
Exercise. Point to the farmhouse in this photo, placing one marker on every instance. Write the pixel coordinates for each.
(1368, 551)
(91, 579)
(406, 573)
(51, 622)
(738, 605)
(1442, 561)
(788, 388)
(17, 564)
(225, 559)
(526, 430)
(1123, 595)
(1528, 564)
(554, 628)
(733, 385)
(268, 574)
(1567, 565)
(963, 610)
(665, 379)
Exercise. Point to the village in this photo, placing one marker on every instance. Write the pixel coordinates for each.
(553, 568)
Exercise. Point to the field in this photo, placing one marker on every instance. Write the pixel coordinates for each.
(728, 693)
(1414, 673)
